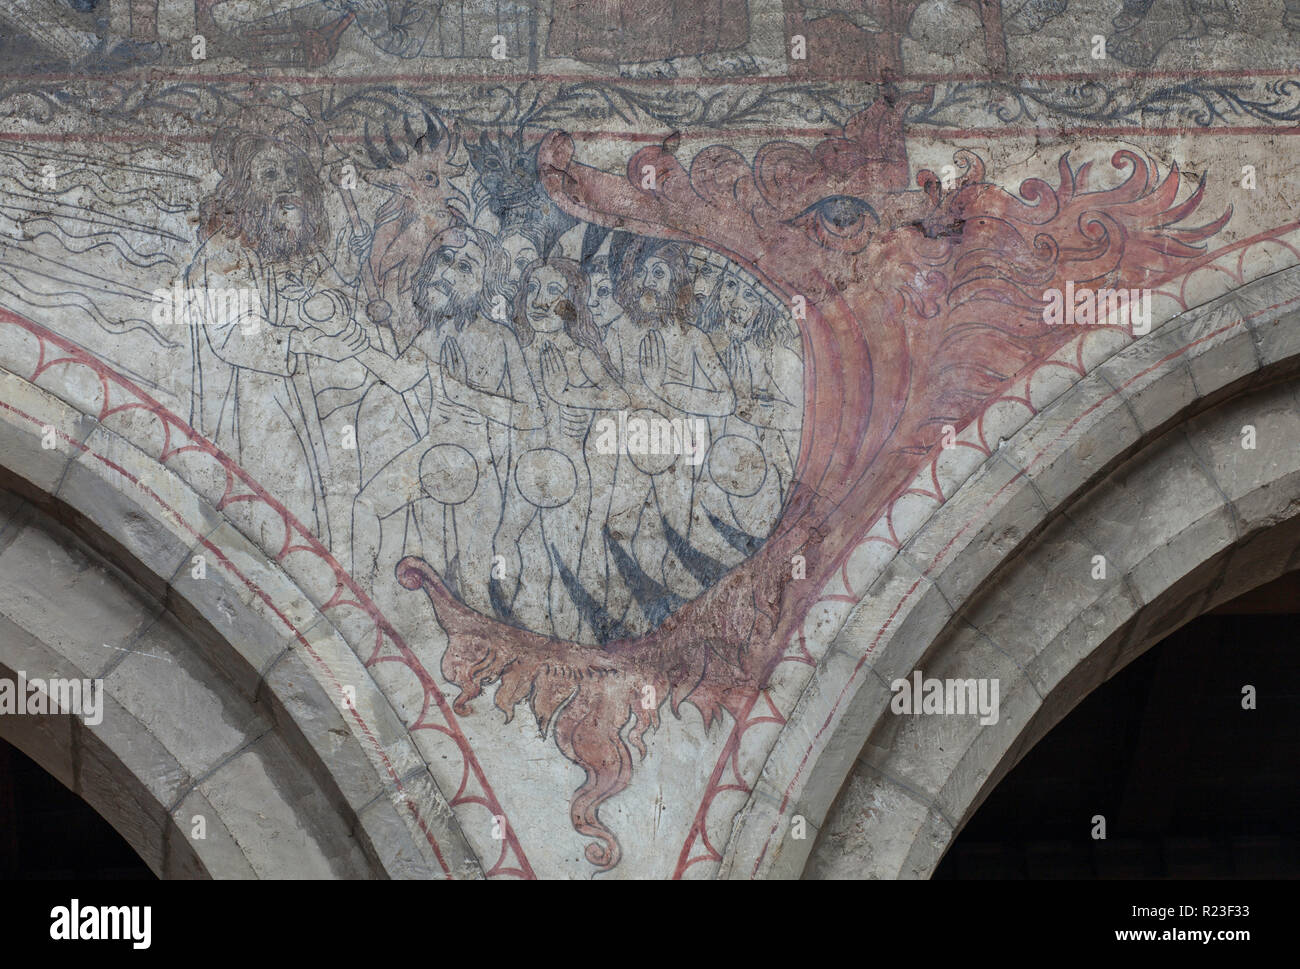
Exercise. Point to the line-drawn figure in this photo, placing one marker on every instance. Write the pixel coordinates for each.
(474, 426)
(419, 173)
(551, 484)
(471, 386)
(605, 312)
(909, 322)
(750, 464)
(706, 268)
(671, 371)
(256, 380)
(508, 188)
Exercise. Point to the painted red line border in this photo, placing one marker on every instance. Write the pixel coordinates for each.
(266, 599)
(970, 522)
(106, 373)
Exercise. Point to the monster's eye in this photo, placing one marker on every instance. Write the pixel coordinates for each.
(431, 178)
(843, 215)
(844, 223)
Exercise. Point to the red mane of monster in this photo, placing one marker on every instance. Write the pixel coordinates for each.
(917, 313)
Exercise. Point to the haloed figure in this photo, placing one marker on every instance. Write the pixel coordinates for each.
(551, 483)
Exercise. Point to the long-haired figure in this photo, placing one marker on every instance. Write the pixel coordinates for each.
(675, 379)
(441, 422)
(264, 232)
(750, 464)
(551, 484)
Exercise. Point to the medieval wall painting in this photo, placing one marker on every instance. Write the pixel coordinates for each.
(607, 345)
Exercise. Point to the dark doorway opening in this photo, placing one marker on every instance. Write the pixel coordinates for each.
(46, 831)
(1191, 784)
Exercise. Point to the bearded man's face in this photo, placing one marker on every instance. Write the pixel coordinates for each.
(449, 287)
(282, 194)
(652, 299)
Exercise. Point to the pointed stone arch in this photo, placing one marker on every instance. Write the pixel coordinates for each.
(224, 693)
(1141, 462)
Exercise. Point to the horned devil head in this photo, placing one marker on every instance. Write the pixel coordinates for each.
(420, 167)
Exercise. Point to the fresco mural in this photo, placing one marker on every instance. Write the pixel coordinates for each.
(593, 365)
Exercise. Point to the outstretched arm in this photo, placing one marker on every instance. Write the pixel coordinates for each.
(401, 373)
